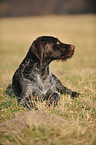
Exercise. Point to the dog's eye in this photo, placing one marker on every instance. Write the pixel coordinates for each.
(57, 42)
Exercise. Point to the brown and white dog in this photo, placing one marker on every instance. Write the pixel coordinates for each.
(33, 75)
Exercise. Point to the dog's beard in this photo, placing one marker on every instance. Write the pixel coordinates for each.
(67, 55)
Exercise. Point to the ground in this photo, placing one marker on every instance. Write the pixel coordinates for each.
(78, 73)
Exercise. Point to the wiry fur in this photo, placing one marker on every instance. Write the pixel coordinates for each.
(33, 76)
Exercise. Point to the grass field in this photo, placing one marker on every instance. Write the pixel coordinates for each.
(78, 73)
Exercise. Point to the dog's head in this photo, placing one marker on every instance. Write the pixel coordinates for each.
(50, 48)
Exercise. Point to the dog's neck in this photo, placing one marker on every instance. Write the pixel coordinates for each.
(41, 69)
(32, 64)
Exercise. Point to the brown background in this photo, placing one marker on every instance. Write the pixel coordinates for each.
(11, 8)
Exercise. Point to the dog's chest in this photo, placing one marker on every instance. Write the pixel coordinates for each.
(45, 85)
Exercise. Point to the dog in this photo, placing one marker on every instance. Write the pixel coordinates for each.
(33, 76)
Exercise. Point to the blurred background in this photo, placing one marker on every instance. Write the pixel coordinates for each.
(11, 8)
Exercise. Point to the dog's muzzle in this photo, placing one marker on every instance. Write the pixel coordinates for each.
(70, 50)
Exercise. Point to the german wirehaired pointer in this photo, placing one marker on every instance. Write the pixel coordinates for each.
(33, 76)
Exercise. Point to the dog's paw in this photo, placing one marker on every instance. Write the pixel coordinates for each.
(75, 95)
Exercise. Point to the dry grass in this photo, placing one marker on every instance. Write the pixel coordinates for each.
(79, 74)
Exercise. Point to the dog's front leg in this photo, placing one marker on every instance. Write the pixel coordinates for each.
(54, 98)
(62, 89)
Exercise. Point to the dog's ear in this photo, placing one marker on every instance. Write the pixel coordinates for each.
(38, 49)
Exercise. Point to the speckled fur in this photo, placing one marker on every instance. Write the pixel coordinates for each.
(33, 76)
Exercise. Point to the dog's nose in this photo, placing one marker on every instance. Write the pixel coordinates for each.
(72, 47)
